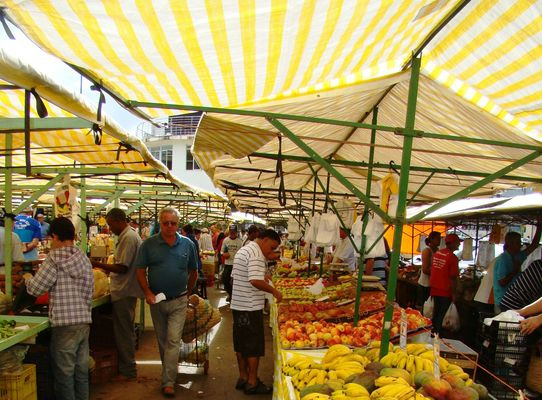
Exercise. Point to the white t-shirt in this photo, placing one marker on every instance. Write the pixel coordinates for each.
(232, 246)
(249, 264)
(205, 242)
(345, 252)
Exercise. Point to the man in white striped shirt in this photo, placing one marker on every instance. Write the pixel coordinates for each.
(247, 303)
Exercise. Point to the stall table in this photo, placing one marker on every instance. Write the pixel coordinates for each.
(36, 325)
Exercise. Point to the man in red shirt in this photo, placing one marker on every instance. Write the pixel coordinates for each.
(444, 273)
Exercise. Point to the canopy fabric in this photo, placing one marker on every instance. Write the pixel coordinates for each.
(64, 148)
(231, 54)
(480, 78)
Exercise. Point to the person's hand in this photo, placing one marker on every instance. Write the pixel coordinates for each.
(27, 275)
(277, 295)
(150, 297)
(529, 325)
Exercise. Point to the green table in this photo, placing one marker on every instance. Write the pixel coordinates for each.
(36, 324)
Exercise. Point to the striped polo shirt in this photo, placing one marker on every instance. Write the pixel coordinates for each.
(249, 264)
(526, 289)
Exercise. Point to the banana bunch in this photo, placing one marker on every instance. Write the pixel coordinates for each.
(300, 362)
(398, 391)
(351, 391)
(309, 377)
(409, 362)
(416, 348)
(337, 362)
(457, 371)
(390, 380)
(429, 355)
(316, 396)
(337, 350)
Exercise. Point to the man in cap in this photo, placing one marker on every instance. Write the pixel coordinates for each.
(252, 233)
(230, 245)
(444, 274)
(508, 264)
(44, 226)
(29, 231)
(205, 240)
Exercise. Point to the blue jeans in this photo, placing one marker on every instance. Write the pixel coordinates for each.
(168, 320)
(69, 355)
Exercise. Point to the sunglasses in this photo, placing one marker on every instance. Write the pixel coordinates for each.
(169, 223)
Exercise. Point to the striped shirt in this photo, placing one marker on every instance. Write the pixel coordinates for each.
(67, 275)
(249, 264)
(526, 289)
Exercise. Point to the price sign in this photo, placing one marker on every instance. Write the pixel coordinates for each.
(436, 356)
(403, 330)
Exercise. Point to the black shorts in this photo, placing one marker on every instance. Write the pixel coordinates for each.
(248, 333)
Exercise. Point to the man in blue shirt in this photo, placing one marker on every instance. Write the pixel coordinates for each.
(167, 265)
(29, 231)
(508, 264)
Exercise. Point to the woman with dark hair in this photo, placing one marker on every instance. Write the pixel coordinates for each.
(432, 242)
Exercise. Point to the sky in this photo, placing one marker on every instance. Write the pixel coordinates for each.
(67, 77)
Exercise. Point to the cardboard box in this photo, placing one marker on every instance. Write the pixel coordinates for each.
(106, 364)
(460, 354)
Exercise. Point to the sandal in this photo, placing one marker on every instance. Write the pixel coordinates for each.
(259, 388)
(241, 383)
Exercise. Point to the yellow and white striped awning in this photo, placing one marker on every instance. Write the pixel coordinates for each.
(481, 76)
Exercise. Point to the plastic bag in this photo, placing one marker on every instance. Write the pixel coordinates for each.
(428, 307)
(451, 319)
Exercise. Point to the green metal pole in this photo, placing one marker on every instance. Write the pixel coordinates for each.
(84, 228)
(401, 207)
(465, 192)
(324, 163)
(8, 222)
(38, 192)
(363, 244)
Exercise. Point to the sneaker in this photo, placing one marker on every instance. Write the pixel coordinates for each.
(241, 383)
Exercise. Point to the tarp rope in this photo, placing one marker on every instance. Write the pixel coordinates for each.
(100, 101)
(40, 105)
(280, 175)
(5, 25)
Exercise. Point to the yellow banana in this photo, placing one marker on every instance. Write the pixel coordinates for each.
(418, 362)
(321, 377)
(303, 373)
(402, 362)
(334, 351)
(389, 359)
(390, 380)
(355, 390)
(316, 396)
(409, 363)
(332, 375)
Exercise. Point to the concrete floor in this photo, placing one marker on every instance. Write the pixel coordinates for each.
(191, 382)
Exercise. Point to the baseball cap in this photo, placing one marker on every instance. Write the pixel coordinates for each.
(204, 230)
(452, 237)
(233, 228)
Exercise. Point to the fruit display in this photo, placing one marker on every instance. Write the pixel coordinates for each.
(316, 334)
(304, 311)
(344, 374)
(294, 282)
(339, 291)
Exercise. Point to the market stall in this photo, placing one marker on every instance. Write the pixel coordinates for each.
(340, 98)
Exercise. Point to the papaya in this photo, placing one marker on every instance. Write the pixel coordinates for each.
(397, 372)
(453, 380)
(482, 391)
(437, 388)
(375, 366)
(462, 393)
(365, 379)
(323, 389)
(422, 377)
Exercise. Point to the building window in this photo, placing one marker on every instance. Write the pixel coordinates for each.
(190, 162)
(163, 154)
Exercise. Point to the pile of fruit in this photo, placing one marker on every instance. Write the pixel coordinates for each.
(354, 374)
(315, 334)
(335, 292)
(304, 311)
(280, 284)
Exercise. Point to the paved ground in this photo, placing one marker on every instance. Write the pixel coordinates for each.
(191, 383)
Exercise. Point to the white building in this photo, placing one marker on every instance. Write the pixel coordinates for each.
(171, 144)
